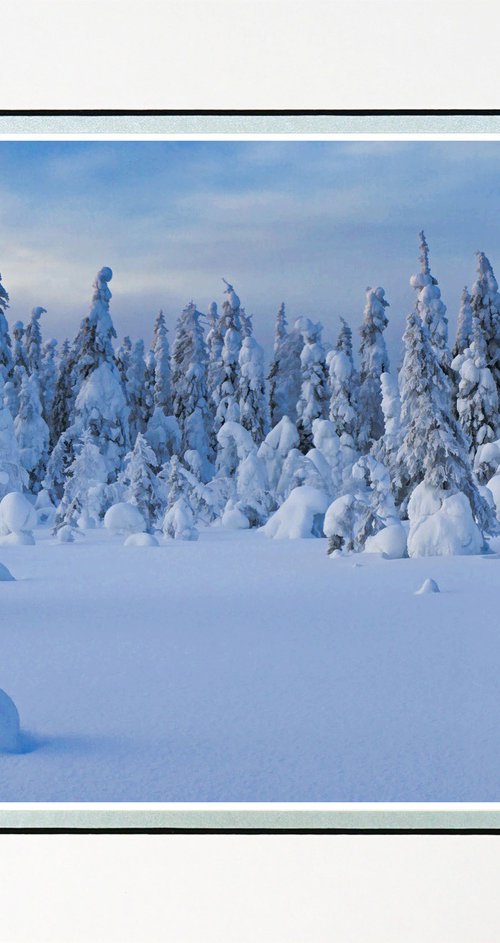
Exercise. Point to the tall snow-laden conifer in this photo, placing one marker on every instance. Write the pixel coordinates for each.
(285, 376)
(162, 381)
(63, 394)
(253, 402)
(6, 362)
(374, 361)
(314, 393)
(123, 358)
(464, 325)
(19, 355)
(34, 342)
(485, 302)
(135, 390)
(433, 447)
(48, 380)
(477, 401)
(226, 395)
(189, 382)
(32, 432)
(82, 501)
(344, 400)
(430, 307)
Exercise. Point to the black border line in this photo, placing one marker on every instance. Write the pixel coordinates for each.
(251, 113)
(169, 113)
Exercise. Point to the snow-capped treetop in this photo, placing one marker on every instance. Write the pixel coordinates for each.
(314, 393)
(19, 354)
(281, 325)
(485, 303)
(253, 401)
(344, 340)
(99, 313)
(430, 306)
(161, 350)
(34, 340)
(232, 297)
(189, 382)
(464, 324)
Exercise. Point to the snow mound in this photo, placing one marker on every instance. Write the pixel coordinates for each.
(124, 518)
(301, 515)
(428, 586)
(391, 541)
(178, 522)
(9, 724)
(141, 540)
(65, 534)
(234, 519)
(16, 512)
(5, 574)
(441, 525)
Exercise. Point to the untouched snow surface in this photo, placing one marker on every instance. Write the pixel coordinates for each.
(243, 669)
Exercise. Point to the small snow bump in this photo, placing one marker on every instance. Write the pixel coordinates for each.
(428, 586)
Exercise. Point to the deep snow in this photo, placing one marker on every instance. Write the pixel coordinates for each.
(238, 668)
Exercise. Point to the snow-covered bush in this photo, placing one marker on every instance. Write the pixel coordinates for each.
(10, 731)
(233, 518)
(366, 508)
(142, 487)
(441, 524)
(391, 541)
(275, 448)
(163, 435)
(178, 522)
(17, 519)
(301, 515)
(124, 518)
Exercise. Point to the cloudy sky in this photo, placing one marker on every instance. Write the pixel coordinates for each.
(310, 223)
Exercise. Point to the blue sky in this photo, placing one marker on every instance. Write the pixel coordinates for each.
(310, 223)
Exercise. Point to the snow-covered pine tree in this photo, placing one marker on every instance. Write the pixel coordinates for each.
(6, 362)
(34, 342)
(63, 394)
(123, 358)
(19, 355)
(344, 401)
(464, 325)
(32, 433)
(430, 307)
(189, 383)
(178, 522)
(285, 376)
(253, 400)
(365, 508)
(82, 502)
(433, 446)
(226, 395)
(385, 450)
(485, 303)
(13, 476)
(60, 460)
(48, 380)
(374, 361)
(101, 405)
(140, 481)
(162, 382)
(135, 390)
(314, 393)
(477, 401)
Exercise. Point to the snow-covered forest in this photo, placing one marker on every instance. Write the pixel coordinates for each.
(159, 439)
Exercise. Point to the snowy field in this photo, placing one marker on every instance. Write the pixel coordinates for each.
(238, 668)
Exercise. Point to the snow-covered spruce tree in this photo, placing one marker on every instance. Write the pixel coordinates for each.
(385, 450)
(285, 374)
(477, 401)
(122, 358)
(162, 381)
(189, 384)
(34, 342)
(83, 499)
(282, 438)
(314, 392)
(430, 307)
(226, 395)
(13, 476)
(178, 522)
(48, 380)
(215, 341)
(135, 388)
(6, 362)
(140, 481)
(32, 433)
(253, 400)
(344, 400)
(63, 395)
(485, 303)
(464, 325)
(365, 508)
(60, 460)
(433, 446)
(101, 406)
(374, 361)
(19, 355)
